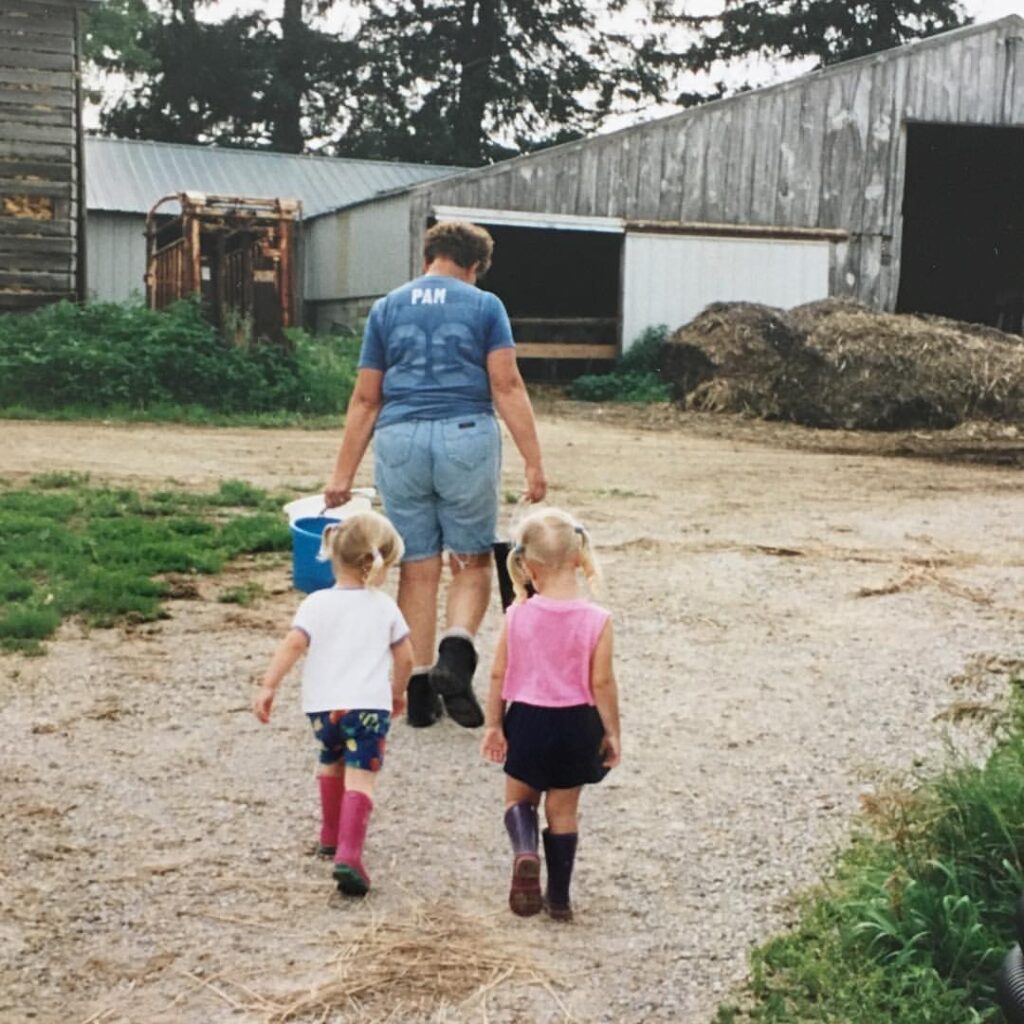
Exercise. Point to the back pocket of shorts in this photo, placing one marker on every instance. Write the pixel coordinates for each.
(469, 442)
(393, 445)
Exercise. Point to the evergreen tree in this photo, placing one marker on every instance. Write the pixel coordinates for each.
(827, 30)
(245, 81)
(467, 81)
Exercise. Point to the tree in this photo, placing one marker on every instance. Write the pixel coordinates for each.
(467, 81)
(245, 81)
(826, 30)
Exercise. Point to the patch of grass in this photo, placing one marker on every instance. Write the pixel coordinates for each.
(245, 595)
(97, 552)
(635, 377)
(59, 478)
(919, 913)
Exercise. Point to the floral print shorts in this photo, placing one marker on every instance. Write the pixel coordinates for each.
(356, 737)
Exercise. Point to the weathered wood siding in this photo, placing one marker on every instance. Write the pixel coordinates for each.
(826, 150)
(39, 128)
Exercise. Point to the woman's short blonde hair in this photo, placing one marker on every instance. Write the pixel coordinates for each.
(550, 537)
(366, 542)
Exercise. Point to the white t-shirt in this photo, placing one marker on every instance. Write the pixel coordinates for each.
(348, 664)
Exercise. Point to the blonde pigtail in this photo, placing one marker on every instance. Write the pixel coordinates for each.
(517, 572)
(375, 570)
(588, 560)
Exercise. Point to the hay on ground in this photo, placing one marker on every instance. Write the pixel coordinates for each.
(432, 959)
(837, 363)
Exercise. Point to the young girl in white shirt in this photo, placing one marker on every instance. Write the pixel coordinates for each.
(353, 637)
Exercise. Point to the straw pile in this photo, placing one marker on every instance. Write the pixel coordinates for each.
(433, 959)
(837, 363)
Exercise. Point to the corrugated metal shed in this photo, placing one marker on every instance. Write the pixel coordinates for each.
(128, 176)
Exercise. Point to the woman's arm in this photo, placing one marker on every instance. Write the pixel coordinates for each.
(493, 746)
(363, 410)
(291, 648)
(513, 404)
(606, 696)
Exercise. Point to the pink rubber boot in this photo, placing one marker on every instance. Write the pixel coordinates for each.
(332, 789)
(349, 872)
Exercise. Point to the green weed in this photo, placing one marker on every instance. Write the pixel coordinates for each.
(104, 357)
(919, 913)
(245, 595)
(635, 377)
(98, 552)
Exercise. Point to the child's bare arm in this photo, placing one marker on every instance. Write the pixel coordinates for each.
(401, 669)
(606, 696)
(493, 746)
(291, 648)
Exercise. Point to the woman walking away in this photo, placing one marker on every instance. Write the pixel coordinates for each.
(438, 360)
(353, 636)
(553, 709)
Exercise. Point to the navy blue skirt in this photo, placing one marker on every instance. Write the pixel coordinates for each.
(554, 748)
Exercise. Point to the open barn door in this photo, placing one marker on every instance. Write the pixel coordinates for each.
(559, 278)
(962, 252)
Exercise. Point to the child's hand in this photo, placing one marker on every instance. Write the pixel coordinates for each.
(398, 704)
(494, 746)
(611, 751)
(262, 703)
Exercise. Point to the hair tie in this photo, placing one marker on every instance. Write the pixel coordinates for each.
(579, 529)
(519, 550)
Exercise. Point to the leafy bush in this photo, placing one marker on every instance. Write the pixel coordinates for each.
(635, 377)
(919, 915)
(107, 356)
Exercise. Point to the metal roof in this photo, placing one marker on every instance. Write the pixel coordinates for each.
(129, 176)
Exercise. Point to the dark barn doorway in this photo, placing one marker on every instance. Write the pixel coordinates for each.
(963, 224)
(562, 291)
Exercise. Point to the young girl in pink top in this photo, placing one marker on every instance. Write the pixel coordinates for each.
(552, 713)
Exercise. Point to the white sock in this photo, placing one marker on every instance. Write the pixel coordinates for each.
(459, 632)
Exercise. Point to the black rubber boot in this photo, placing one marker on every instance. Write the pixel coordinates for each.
(560, 854)
(452, 678)
(423, 705)
(524, 892)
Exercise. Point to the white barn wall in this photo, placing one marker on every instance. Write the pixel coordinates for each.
(115, 256)
(669, 279)
(353, 256)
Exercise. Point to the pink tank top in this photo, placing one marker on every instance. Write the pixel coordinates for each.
(550, 646)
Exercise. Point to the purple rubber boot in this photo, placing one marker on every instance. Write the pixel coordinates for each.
(560, 854)
(524, 892)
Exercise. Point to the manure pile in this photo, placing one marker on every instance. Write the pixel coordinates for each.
(837, 363)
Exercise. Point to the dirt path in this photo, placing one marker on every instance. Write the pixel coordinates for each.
(788, 622)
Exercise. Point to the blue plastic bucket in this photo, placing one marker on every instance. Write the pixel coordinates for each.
(308, 572)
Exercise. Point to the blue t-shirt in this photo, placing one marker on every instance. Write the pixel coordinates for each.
(431, 339)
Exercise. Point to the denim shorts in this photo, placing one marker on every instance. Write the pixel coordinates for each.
(439, 481)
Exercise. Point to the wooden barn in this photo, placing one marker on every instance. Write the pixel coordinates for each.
(896, 179)
(41, 209)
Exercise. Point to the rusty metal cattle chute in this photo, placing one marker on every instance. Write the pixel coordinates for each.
(236, 253)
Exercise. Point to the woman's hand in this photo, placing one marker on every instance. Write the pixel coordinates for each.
(494, 746)
(338, 492)
(536, 484)
(398, 704)
(263, 702)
